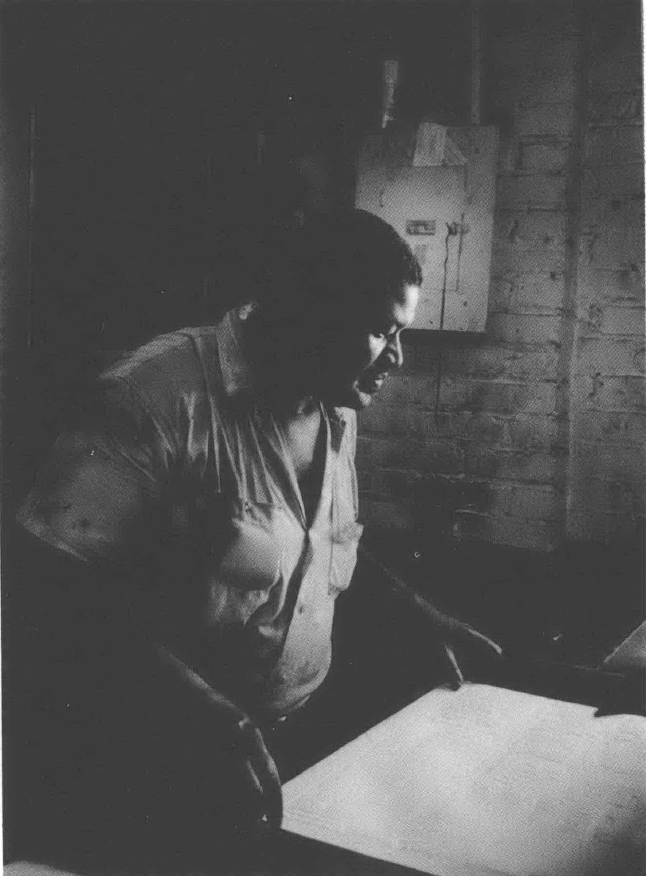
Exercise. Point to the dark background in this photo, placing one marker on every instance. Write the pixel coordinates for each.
(148, 207)
(146, 123)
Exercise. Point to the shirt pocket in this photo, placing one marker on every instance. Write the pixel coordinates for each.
(249, 568)
(345, 542)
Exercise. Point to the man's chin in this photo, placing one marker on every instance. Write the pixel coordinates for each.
(351, 397)
(362, 399)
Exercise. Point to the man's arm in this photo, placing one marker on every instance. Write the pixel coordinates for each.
(77, 631)
(449, 632)
(93, 530)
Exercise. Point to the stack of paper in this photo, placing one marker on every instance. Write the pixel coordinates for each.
(485, 781)
(630, 655)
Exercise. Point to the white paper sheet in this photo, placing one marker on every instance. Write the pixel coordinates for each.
(630, 654)
(485, 781)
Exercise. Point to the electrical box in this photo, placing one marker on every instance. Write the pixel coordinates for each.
(437, 189)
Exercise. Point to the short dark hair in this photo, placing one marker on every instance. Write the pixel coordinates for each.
(339, 255)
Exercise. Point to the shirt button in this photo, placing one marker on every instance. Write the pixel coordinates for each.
(301, 607)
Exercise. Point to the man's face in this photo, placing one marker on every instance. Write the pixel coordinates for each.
(357, 357)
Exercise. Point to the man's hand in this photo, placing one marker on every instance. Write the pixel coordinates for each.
(451, 635)
(259, 773)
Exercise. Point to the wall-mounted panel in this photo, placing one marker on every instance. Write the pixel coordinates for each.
(437, 190)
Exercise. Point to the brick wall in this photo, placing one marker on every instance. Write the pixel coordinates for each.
(608, 403)
(501, 452)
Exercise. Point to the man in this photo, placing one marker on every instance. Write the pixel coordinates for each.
(202, 522)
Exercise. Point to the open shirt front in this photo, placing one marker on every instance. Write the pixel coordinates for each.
(184, 481)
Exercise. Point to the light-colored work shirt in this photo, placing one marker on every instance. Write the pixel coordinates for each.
(183, 480)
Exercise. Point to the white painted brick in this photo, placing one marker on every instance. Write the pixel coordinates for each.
(364, 455)
(365, 481)
(609, 355)
(533, 431)
(589, 315)
(613, 180)
(624, 428)
(526, 466)
(612, 321)
(409, 389)
(549, 256)
(534, 398)
(504, 361)
(592, 524)
(531, 192)
(418, 424)
(497, 396)
(394, 483)
(606, 107)
(588, 524)
(394, 420)
(623, 321)
(624, 285)
(419, 358)
(624, 498)
(428, 455)
(545, 156)
(474, 395)
(526, 501)
(497, 423)
(617, 145)
(383, 513)
(601, 392)
(527, 243)
(526, 293)
(531, 467)
(612, 462)
(524, 328)
(378, 419)
(488, 427)
(543, 86)
(623, 213)
(535, 535)
(612, 246)
(607, 491)
(529, 230)
(521, 430)
(549, 119)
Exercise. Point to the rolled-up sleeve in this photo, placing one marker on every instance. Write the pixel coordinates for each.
(102, 482)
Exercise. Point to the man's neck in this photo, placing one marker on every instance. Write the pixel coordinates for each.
(278, 381)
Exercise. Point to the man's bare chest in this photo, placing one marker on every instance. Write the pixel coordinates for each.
(302, 436)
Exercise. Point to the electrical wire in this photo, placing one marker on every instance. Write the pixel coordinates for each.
(460, 242)
(450, 232)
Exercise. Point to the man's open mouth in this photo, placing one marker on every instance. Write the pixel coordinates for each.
(371, 382)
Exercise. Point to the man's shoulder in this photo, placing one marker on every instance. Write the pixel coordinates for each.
(169, 365)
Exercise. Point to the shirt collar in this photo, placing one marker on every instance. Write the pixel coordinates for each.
(236, 370)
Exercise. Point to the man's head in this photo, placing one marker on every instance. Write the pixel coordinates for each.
(336, 312)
